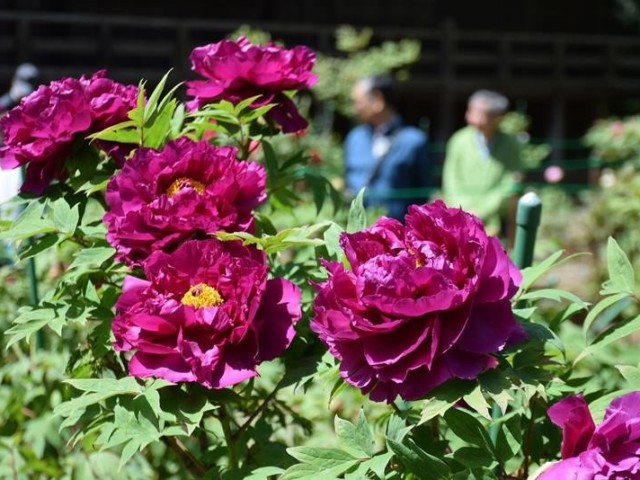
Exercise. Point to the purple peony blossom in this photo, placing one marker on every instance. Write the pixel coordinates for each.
(206, 313)
(609, 451)
(41, 130)
(235, 71)
(186, 190)
(421, 303)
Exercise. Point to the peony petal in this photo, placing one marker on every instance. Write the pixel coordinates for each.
(170, 367)
(274, 323)
(488, 328)
(573, 416)
(621, 422)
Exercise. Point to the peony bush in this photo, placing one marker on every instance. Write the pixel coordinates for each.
(193, 328)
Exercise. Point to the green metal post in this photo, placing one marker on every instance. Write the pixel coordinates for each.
(527, 221)
(32, 278)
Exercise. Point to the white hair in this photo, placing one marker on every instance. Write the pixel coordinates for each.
(495, 102)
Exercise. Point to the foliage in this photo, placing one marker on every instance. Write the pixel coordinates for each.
(516, 123)
(71, 410)
(337, 75)
(615, 141)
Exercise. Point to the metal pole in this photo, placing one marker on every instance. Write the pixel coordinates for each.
(527, 221)
(32, 278)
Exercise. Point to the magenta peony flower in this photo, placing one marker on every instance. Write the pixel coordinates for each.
(609, 451)
(206, 314)
(188, 189)
(41, 130)
(421, 304)
(235, 71)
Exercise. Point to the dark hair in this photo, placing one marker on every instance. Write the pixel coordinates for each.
(384, 84)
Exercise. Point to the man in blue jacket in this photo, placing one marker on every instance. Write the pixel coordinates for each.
(383, 154)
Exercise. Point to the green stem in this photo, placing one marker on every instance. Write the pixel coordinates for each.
(229, 438)
(256, 412)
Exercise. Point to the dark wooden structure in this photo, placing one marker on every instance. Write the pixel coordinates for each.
(563, 60)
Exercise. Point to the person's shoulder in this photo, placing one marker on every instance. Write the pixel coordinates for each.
(461, 136)
(413, 135)
(357, 131)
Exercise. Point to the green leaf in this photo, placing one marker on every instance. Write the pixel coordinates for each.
(357, 219)
(444, 397)
(468, 428)
(270, 161)
(332, 241)
(423, 465)
(317, 455)
(92, 257)
(355, 439)
(473, 457)
(613, 334)
(621, 275)
(600, 307)
(156, 128)
(329, 462)
(150, 106)
(65, 218)
(554, 294)
(33, 248)
(478, 403)
(28, 323)
(264, 473)
(29, 223)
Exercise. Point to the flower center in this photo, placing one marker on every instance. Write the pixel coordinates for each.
(201, 296)
(182, 183)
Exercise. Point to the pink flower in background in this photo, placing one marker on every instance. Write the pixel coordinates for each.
(235, 71)
(186, 190)
(41, 130)
(206, 313)
(609, 451)
(421, 303)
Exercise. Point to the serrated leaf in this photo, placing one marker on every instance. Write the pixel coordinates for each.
(65, 218)
(613, 334)
(357, 219)
(478, 403)
(355, 439)
(92, 257)
(28, 323)
(320, 456)
(326, 461)
(423, 465)
(29, 223)
(443, 398)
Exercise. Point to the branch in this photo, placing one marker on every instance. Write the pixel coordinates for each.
(191, 463)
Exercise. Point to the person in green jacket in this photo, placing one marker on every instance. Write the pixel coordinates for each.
(482, 166)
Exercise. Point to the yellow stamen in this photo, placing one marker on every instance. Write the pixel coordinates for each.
(185, 182)
(201, 296)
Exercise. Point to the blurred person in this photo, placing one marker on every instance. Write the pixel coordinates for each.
(483, 165)
(383, 154)
(23, 83)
